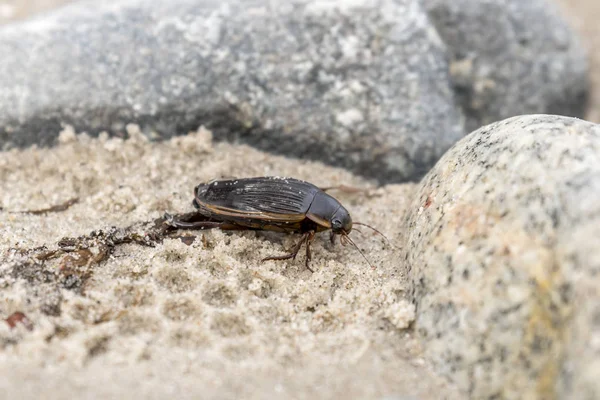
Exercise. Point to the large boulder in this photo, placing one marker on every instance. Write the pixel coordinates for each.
(377, 87)
(502, 249)
(362, 84)
(510, 58)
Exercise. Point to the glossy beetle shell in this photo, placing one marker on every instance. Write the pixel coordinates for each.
(272, 203)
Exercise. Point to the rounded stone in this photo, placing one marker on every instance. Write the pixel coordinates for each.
(503, 257)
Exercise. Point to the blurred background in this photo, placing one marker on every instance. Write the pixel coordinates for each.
(583, 15)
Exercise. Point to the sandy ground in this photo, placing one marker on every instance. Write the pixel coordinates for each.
(206, 319)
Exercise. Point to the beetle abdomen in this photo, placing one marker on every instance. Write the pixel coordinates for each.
(324, 206)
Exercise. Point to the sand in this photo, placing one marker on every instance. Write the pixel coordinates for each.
(202, 320)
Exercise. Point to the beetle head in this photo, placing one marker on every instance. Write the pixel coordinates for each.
(341, 222)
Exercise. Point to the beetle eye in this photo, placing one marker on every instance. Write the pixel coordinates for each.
(336, 224)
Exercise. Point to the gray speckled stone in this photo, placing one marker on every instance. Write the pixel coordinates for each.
(504, 259)
(511, 57)
(362, 84)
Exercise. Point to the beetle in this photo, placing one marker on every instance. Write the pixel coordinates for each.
(274, 204)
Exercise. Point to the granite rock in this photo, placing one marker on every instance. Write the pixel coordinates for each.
(511, 58)
(377, 87)
(504, 260)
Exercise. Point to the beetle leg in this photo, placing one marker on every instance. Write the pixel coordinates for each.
(343, 188)
(292, 254)
(180, 224)
(332, 237)
(195, 225)
(309, 239)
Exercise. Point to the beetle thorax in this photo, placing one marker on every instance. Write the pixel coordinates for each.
(330, 210)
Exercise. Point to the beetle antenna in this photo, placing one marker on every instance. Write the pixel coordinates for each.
(358, 230)
(370, 227)
(345, 236)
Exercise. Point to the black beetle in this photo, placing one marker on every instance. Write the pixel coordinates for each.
(270, 203)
